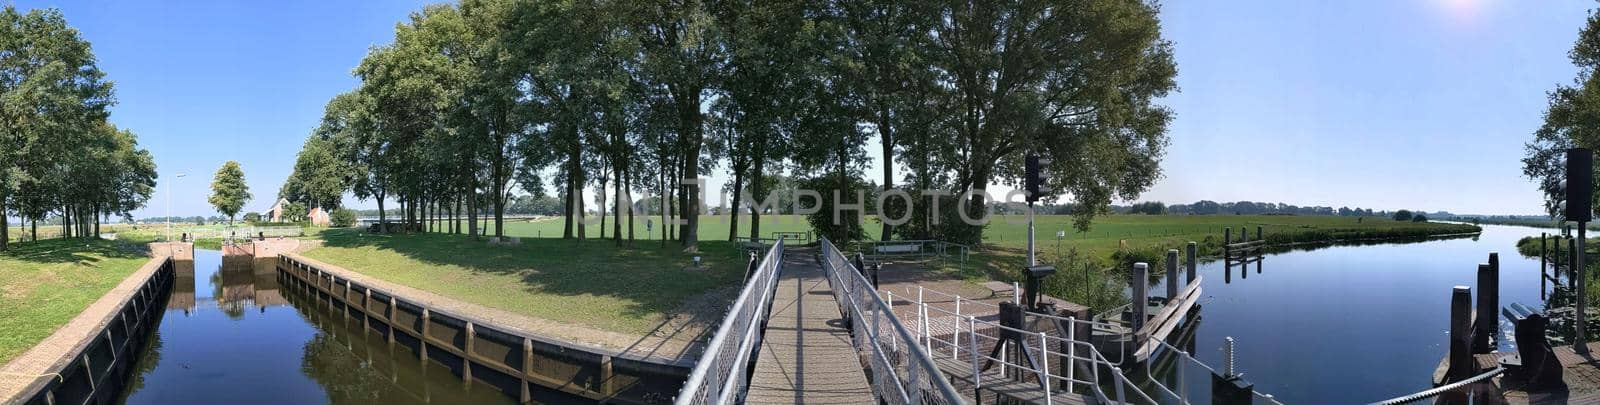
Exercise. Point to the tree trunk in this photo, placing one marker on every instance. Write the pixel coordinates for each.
(566, 208)
(383, 223)
(616, 201)
(738, 187)
(472, 207)
(5, 225)
(628, 183)
(757, 190)
(886, 138)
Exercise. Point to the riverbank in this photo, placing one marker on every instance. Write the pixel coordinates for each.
(646, 298)
(47, 283)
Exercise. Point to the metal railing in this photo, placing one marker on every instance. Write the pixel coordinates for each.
(902, 373)
(721, 375)
(890, 249)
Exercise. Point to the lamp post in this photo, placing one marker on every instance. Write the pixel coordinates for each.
(179, 175)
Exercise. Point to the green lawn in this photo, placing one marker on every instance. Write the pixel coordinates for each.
(593, 283)
(557, 269)
(45, 284)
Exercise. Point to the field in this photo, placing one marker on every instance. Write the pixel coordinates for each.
(1095, 257)
(592, 283)
(45, 284)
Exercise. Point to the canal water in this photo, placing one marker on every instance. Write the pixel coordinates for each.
(230, 335)
(1350, 324)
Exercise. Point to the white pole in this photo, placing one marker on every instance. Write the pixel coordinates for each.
(1044, 367)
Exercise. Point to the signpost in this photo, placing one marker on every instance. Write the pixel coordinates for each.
(1579, 190)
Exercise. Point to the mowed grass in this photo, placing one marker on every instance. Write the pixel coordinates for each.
(45, 284)
(629, 289)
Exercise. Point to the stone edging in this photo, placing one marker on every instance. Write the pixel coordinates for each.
(50, 364)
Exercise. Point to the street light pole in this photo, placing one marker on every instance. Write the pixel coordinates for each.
(175, 178)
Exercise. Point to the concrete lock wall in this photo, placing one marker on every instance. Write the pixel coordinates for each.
(99, 365)
(519, 365)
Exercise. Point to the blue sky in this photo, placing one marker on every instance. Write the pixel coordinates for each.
(1421, 104)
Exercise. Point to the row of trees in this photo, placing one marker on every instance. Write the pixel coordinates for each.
(472, 101)
(59, 155)
(1208, 207)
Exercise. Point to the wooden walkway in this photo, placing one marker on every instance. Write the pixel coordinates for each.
(806, 356)
(1580, 372)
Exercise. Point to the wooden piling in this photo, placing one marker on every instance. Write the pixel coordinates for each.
(1461, 365)
(422, 340)
(1172, 274)
(1188, 260)
(1487, 320)
(1141, 295)
(466, 361)
(1260, 235)
(1227, 239)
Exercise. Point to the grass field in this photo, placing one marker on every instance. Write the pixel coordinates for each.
(1112, 243)
(592, 283)
(45, 284)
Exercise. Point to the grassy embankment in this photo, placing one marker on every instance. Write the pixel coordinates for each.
(592, 283)
(45, 284)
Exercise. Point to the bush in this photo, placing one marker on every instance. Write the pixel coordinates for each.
(1402, 215)
(252, 218)
(1419, 218)
(343, 218)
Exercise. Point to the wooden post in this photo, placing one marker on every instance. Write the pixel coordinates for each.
(527, 369)
(391, 319)
(466, 359)
(1460, 361)
(422, 342)
(1141, 297)
(1260, 235)
(607, 386)
(1188, 260)
(1227, 239)
(1487, 320)
(1172, 275)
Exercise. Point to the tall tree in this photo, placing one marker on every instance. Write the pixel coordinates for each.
(1571, 120)
(682, 57)
(228, 190)
(1072, 80)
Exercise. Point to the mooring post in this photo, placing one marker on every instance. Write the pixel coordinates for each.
(422, 343)
(1188, 261)
(1260, 235)
(1227, 239)
(389, 318)
(1460, 362)
(1141, 297)
(1172, 275)
(1487, 320)
(466, 359)
(527, 369)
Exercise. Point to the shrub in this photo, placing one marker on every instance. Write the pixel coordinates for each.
(343, 218)
(1402, 215)
(1419, 218)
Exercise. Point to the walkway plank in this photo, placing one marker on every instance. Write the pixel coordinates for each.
(806, 356)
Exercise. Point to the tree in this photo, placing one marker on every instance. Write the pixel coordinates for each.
(343, 218)
(1075, 81)
(228, 190)
(1419, 218)
(1571, 120)
(1403, 215)
(295, 212)
(252, 218)
(319, 177)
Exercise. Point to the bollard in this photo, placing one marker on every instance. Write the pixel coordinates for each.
(1460, 361)
(1487, 320)
(1141, 297)
(1172, 275)
(1188, 260)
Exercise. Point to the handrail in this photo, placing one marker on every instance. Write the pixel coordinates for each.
(920, 376)
(1441, 389)
(720, 375)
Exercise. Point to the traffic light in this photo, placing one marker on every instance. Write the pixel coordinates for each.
(1037, 177)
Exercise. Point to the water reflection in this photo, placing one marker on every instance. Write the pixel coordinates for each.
(242, 340)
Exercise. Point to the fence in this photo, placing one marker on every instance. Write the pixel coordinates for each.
(722, 373)
(901, 373)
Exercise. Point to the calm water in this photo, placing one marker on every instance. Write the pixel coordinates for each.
(231, 336)
(1351, 324)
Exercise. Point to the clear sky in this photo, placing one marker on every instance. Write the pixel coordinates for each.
(1421, 104)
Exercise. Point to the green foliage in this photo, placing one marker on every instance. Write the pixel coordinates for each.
(1569, 120)
(228, 190)
(1419, 218)
(1149, 208)
(343, 218)
(1403, 215)
(840, 226)
(294, 212)
(252, 218)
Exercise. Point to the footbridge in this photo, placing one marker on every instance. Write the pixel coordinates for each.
(809, 327)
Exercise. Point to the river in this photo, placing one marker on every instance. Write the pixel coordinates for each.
(1354, 323)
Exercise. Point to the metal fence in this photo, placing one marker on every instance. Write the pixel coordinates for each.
(902, 373)
(722, 372)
